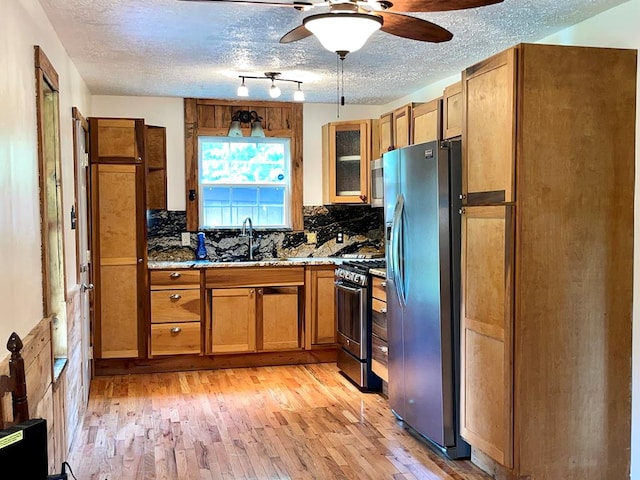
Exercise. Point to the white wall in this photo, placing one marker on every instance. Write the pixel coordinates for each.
(619, 28)
(23, 24)
(169, 112)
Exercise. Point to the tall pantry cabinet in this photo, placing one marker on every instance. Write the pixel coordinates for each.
(547, 258)
(118, 237)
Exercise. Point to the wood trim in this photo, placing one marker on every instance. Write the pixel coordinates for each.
(276, 125)
(45, 66)
(125, 366)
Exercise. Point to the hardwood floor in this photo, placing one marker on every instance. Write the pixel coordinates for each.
(289, 422)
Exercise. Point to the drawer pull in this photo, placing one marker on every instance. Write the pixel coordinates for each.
(176, 330)
(175, 296)
(384, 350)
(383, 310)
(383, 284)
(174, 275)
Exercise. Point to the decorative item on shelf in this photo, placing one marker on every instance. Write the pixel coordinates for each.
(201, 251)
(274, 90)
(245, 116)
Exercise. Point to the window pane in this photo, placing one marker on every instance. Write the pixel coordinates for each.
(244, 177)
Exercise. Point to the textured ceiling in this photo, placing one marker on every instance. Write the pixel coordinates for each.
(198, 49)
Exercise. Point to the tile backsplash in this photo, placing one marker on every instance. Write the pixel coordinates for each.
(362, 228)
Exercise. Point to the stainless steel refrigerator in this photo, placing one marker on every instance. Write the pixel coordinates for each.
(422, 185)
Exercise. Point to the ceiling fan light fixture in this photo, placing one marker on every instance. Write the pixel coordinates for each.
(298, 95)
(243, 91)
(343, 31)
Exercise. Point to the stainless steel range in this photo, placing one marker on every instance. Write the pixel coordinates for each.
(353, 307)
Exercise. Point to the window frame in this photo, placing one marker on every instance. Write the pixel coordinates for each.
(212, 117)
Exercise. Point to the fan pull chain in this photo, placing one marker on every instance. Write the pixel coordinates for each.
(342, 77)
(338, 84)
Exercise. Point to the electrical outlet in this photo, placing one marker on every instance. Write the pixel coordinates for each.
(312, 238)
(339, 237)
(186, 239)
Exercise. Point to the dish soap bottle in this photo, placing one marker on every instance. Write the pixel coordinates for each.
(201, 251)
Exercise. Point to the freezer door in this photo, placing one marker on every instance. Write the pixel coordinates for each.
(426, 323)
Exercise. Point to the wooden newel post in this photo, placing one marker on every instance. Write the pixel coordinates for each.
(16, 372)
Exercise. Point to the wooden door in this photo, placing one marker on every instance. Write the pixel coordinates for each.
(489, 128)
(156, 149)
(117, 259)
(279, 321)
(426, 121)
(452, 111)
(402, 127)
(320, 310)
(385, 127)
(486, 414)
(233, 320)
(346, 162)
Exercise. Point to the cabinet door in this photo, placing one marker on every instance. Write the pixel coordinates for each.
(402, 127)
(489, 130)
(346, 162)
(119, 245)
(486, 415)
(452, 111)
(156, 149)
(280, 321)
(320, 298)
(385, 127)
(233, 320)
(426, 121)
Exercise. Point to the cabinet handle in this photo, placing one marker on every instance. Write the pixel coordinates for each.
(461, 211)
(383, 310)
(462, 196)
(363, 198)
(260, 291)
(174, 275)
(175, 296)
(384, 350)
(176, 330)
(383, 284)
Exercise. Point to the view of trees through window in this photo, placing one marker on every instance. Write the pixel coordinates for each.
(244, 177)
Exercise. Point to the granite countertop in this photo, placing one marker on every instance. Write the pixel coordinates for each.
(274, 262)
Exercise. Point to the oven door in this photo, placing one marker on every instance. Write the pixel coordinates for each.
(351, 308)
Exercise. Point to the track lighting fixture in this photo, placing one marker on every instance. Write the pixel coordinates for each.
(274, 90)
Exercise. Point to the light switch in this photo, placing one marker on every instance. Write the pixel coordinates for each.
(186, 239)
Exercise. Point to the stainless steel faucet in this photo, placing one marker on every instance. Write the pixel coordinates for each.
(243, 233)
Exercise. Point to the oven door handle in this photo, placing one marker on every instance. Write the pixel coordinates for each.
(342, 286)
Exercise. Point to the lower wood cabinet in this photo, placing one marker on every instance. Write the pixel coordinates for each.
(176, 312)
(255, 309)
(379, 339)
(320, 308)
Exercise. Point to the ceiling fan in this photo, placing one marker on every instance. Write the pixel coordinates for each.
(348, 23)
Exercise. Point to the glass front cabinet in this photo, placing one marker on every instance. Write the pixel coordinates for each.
(347, 151)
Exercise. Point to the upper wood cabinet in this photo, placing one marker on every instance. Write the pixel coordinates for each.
(426, 119)
(347, 150)
(546, 277)
(385, 128)
(118, 237)
(402, 135)
(489, 128)
(156, 149)
(452, 111)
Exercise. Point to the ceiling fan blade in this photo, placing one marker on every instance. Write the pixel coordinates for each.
(296, 34)
(437, 5)
(413, 28)
(300, 5)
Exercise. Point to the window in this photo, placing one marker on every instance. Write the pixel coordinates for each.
(244, 177)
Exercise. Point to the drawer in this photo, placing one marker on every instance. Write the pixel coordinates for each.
(379, 357)
(379, 289)
(379, 324)
(169, 306)
(161, 279)
(254, 277)
(175, 338)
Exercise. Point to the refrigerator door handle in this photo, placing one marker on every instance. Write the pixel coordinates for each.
(396, 251)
